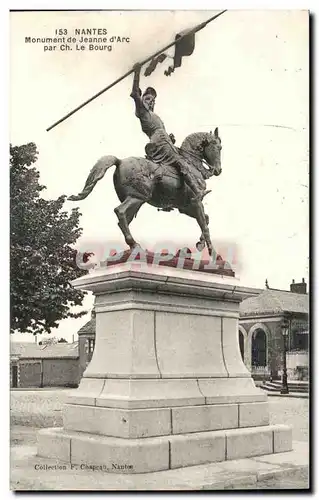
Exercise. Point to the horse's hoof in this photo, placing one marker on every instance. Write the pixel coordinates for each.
(200, 245)
(134, 245)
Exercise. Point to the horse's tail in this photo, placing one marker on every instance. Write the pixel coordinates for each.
(96, 174)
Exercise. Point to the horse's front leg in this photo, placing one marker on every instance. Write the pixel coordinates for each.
(201, 218)
(125, 213)
(200, 245)
(196, 211)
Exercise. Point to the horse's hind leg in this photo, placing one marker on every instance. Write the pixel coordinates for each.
(125, 213)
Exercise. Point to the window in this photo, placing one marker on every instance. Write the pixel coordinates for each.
(91, 343)
(90, 349)
(259, 348)
(299, 335)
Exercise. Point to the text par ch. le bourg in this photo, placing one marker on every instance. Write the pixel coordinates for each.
(85, 35)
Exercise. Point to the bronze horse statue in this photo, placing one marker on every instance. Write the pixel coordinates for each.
(140, 180)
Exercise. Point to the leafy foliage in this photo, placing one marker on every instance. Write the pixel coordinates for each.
(49, 341)
(42, 260)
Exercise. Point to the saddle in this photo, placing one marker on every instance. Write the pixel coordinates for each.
(163, 168)
(170, 169)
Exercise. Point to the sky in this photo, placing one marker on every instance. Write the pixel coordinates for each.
(248, 75)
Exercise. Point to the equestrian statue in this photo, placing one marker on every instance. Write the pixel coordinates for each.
(168, 177)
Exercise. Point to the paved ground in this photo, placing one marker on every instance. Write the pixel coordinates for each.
(38, 408)
(277, 471)
(33, 409)
(291, 411)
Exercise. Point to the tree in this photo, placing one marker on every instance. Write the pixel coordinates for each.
(42, 259)
(62, 341)
(49, 341)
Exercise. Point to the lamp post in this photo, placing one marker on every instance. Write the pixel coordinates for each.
(284, 331)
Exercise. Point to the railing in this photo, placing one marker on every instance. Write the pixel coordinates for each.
(260, 370)
(260, 373)
(297, 358)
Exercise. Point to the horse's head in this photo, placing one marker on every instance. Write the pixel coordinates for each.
(205, 146)
(212, 151)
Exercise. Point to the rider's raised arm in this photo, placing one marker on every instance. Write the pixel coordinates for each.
(136, 91)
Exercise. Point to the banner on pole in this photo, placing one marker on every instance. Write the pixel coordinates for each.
(184, 46)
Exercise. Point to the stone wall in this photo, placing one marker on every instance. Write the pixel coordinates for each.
(63, 372)
(30, 373)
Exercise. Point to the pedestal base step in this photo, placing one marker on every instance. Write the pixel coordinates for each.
(142, 393)
(131, 456)
(154, 422)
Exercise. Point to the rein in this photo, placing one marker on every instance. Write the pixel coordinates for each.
(198, 157)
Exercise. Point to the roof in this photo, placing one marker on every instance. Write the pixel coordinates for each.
(30, 350)
(272, 301)
(89, 327)
(18, 348)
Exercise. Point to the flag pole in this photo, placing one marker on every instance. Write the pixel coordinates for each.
(195, 30)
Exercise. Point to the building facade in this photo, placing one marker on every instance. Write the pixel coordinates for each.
(86, 343)
(56, 365)
(260, 332)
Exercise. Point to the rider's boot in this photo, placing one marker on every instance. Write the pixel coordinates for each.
(198, 193)
(199, 196)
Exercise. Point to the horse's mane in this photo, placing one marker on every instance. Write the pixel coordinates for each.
(194, 141)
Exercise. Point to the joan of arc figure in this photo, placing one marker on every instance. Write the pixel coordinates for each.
(161, 147)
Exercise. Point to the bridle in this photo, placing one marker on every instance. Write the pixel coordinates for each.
(199, 158)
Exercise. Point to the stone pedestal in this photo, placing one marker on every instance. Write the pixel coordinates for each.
(166, 386)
